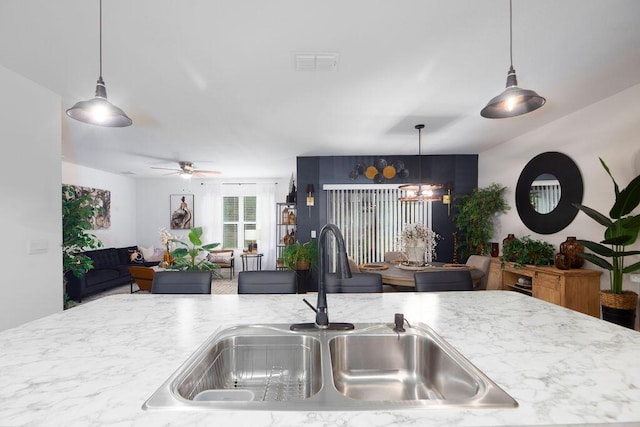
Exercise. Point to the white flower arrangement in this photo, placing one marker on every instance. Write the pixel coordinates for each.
(418, 235)
(166, 238)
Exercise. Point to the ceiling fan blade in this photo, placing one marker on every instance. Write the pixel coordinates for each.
(167, 169)
(206, 171)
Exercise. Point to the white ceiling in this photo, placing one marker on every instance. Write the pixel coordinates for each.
(213, 82)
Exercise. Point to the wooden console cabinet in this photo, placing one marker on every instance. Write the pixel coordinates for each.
(577, 289)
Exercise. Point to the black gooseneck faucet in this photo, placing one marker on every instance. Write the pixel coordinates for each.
(342, 272)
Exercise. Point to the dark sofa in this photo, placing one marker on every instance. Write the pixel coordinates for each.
(110, 269)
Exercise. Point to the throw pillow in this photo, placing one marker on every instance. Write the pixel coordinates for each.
(158, 255)
(135, 257)
(223, 258)
(147, 253)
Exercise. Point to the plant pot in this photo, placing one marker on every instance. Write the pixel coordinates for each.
(303, 265)
(619, 308)
(415, 254)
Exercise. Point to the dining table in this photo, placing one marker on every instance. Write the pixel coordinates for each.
(400, 274)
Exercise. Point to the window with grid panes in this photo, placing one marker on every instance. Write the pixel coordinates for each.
(239, 215)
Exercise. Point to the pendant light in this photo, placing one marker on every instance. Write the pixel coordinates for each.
(419, 192)
(98, 111)
(514, 101)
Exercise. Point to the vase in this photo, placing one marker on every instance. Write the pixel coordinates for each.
(285, 216)
(495, 249)
(415, 254)
(570, 248)
(509, 238)
(562, 261)
(167, 257)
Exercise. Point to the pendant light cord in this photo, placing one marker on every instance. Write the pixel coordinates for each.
(100, 39)
(510, 33)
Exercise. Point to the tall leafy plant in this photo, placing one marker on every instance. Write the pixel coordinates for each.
(475, 217)
(621, 230)
(193, 256)
(77, 212)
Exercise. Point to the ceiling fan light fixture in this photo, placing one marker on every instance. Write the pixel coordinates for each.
(513, 101)
(99, 111)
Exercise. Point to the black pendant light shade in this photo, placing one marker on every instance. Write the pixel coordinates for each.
(98, 111)
(513, 101)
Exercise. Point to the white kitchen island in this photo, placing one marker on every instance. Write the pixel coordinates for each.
(96, 364)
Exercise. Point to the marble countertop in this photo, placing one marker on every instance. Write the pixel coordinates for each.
(97, 363)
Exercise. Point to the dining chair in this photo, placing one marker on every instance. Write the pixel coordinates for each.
(267, 282)
(181, 282)
(358, 283)
(440, 281)
(353, 266)
(141, 276)
(481, 263)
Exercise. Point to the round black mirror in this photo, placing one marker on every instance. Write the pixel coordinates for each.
(547, 188)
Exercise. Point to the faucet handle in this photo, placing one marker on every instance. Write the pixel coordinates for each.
(315, 310)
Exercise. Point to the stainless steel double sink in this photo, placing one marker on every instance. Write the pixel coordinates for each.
(269, 367)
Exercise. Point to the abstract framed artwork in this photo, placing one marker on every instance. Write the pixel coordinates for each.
(181, 207)
(101, 200)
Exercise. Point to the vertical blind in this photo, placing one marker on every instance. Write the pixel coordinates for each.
(545, 195)
(371, 218)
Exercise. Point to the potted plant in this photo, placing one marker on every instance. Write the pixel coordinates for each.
(193, 256)
(300, 256)
(525, 250)
(415, 241)
(621, 230)
(77, 212)
(475, 217)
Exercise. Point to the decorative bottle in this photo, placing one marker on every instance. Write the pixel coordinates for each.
(570, 248)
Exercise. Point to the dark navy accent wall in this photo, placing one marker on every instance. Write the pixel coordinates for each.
(458, 171)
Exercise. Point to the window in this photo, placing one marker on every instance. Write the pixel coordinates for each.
(239, 215)
(371, 218)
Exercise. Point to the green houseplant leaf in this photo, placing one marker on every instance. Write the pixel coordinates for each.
(475, 216)
(620, 231)
(186, 258)
(300, 252)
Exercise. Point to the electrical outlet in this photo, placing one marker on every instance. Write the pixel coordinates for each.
(635, 278)
(313, 234)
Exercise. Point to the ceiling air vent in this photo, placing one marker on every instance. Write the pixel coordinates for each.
(316, 61)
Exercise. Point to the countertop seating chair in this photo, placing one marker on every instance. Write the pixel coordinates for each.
(142, 276)
(482, 263)
(439, 281)
(267, 282)
(358, 283)
(224, 258)
(181, 282)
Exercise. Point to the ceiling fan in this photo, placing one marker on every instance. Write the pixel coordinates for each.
(187, 170)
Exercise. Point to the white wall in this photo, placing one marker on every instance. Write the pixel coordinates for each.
(609, 129)
(123, 202)
(30, 209)
(154, 212)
